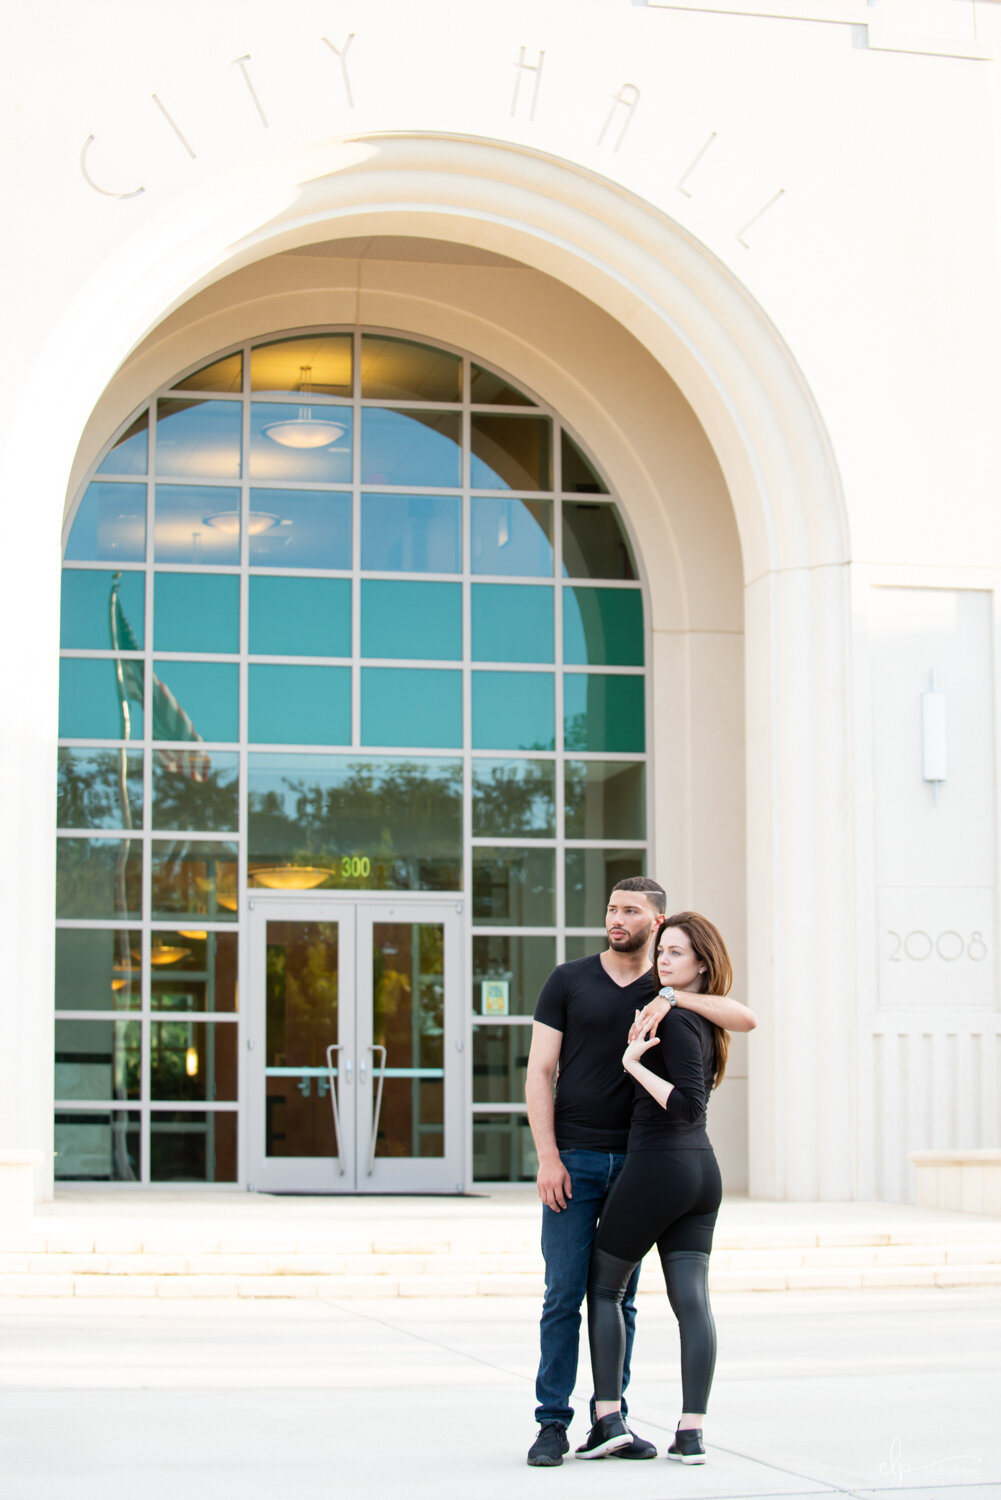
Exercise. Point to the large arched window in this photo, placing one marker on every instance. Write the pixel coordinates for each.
(340, 612)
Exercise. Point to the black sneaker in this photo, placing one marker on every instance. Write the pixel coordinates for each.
(607, 1434)
(549, 1447)
(638, 1448)
(687, 1446)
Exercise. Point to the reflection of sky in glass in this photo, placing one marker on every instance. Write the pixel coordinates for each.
(196, 612)
(512, 622)
(300, 705)
(415, 621)
(89, 702)
(110, 525)
(182, 531)
(603, 712)
(300, 616)
(300, 529)
(513, 711)
(411, 533)
(198, 439)
(130, 453)
(513, 537)
(603, 627)
(411, 447)
(85, 612)
(510, 452)
(271, 459)
(411, 706)
(208, 692)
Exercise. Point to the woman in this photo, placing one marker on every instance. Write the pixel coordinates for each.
(668, 1193)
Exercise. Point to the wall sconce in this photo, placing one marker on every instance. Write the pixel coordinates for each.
(933, 744)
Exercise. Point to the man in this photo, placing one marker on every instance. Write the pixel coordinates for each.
(582, 1019)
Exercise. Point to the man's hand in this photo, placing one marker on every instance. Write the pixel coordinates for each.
(553, 1182)
(648, 1019)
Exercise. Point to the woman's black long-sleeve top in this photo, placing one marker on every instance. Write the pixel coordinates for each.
(686, 1058)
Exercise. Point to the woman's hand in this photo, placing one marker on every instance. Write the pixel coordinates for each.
(640, 1042)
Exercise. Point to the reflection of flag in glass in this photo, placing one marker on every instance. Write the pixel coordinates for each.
(170, 722)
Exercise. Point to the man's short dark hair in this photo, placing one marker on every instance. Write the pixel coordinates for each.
(657, 893)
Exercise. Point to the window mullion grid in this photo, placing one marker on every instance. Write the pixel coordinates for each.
(465, 522)
(558, 697)
(356, 421)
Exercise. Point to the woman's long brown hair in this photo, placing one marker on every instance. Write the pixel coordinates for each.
(710, 950)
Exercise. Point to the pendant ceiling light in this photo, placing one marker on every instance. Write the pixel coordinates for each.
(306, 430)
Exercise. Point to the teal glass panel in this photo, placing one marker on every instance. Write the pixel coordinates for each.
(510, 453)
(195, 700)
(129, 453)
(514, 798)
(198, 439)
(196, 790)
(98, 968)
(300, 616)
(86, 609)
(193, 970)
(300, 529)
(99, 788)
(109, 525)
(500, 1058)
(591, 875)
(198, 524)
(97, 1145)
(511, 537)
(196, 612)
(411, 533)
(191, 1146)
(99, 1060)
(192, 1060)
(594, 543)
(513, 711)
(355, 822)
(604, 799)
(512, 622)
(503, 1149)
(98, 878)
(413, 621)
(300, 705)
(603, 627)
(290, 442)
(312, 364)
(489, 389)
(90, 702)
(400, 370)
(603, 712)
(224, 374)
(411, 448)
(509, 971)
(581, 945)
(580, 477)
(193, 879)
(514, 887)
(411, 706)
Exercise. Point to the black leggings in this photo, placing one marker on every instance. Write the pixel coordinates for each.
(669, 1199)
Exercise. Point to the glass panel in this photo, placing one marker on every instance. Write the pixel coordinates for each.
(411, 447)
(196, 612)
(86, 606)
(196, 879)
(510, 453)
(196, 789)
(98, 968)
(300, 616)
(90, 705)
(224, 374)
(189, 1147)
(581, 945)
(579, 474)
(411, 620)
(488, 389)
(500, 1057)
(411, 533)
(604, 799)
(514, 887)
(302, 1022)
(129, 453)
(591, 874)
(512, 622)
(512, 537)
(356, 823)
(198, 439)
(411, 706)
(300, 705)
(98, 877)
(397, 370)
(603, 713)
(94, 1147)
(195, 700)
(300, 442)
(503, 1150)
(603, 627)
(514, 798)
(513, 711)
(196, 524)
(408, 986)
(100, 788)
(98, 1059)
(594, 544)
(109, 525)
(509, 972)
(192, 1061)
(192, 970)
(326, 359)
(300, 529)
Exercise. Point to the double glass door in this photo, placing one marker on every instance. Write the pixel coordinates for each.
(355, 1046)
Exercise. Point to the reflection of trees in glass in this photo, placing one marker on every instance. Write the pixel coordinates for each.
(412, 1035)
(301, 993)
(85, 878)
(514, 798)
(89, 793)
(180, 802)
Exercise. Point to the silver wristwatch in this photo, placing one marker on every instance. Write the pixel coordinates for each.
(667, 993)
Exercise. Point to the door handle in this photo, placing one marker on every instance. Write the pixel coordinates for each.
(377, 1107)
(335, 1047)
(361, 1070)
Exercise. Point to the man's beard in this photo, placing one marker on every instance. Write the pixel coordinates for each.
(633, 944)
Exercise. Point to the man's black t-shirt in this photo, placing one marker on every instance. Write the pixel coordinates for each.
(594, 1097)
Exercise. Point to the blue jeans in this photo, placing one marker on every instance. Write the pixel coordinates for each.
(567, 1238)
